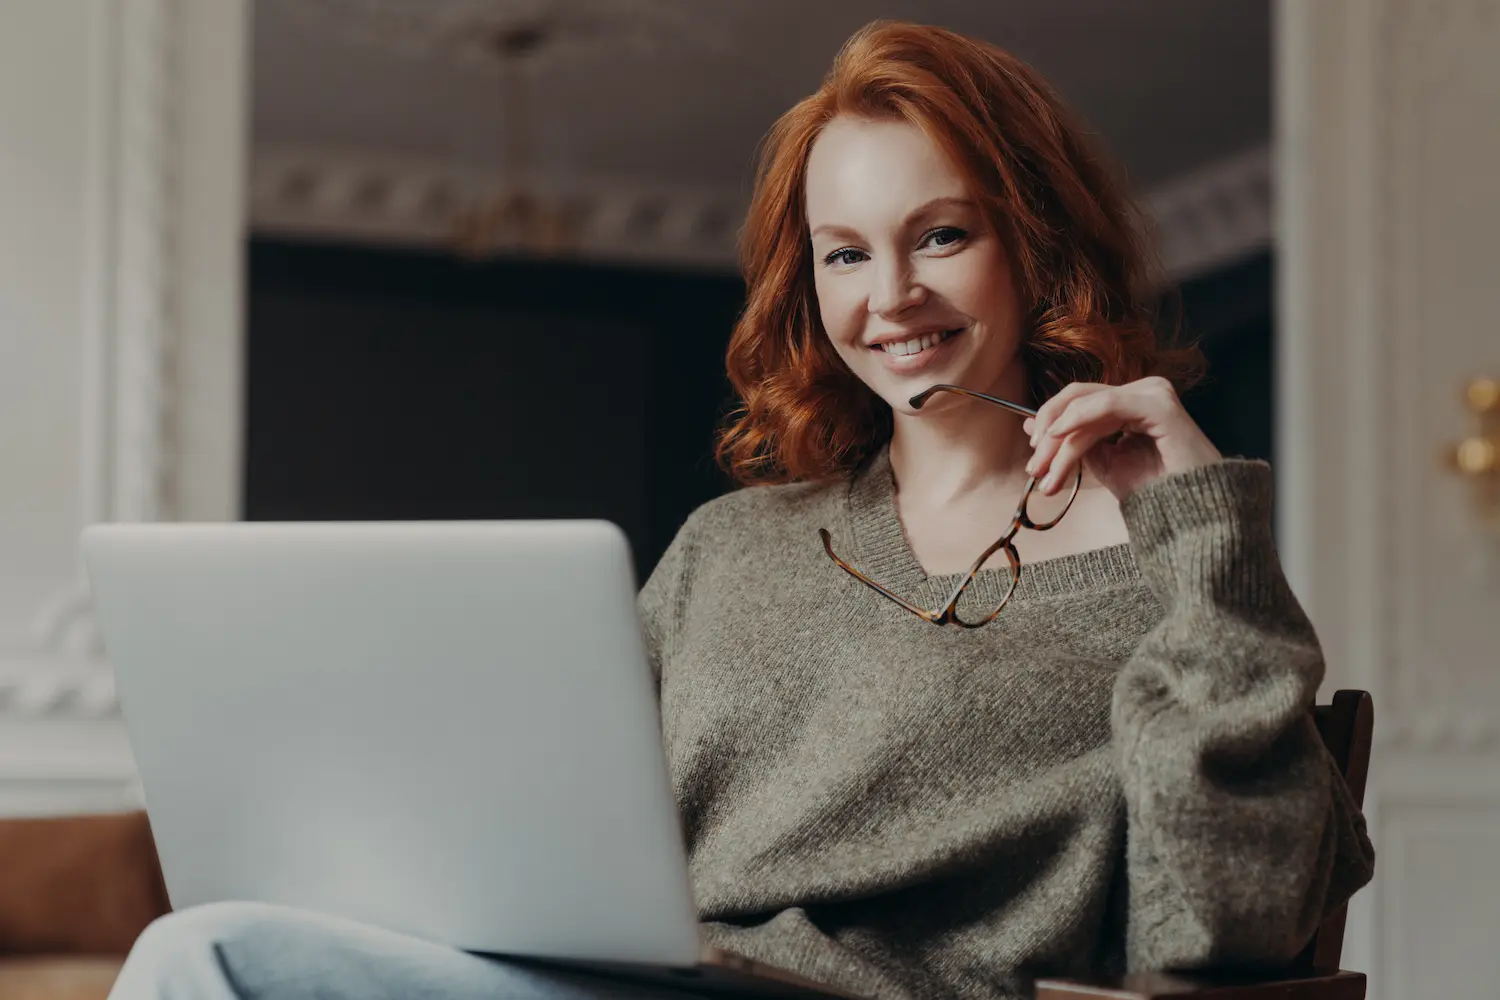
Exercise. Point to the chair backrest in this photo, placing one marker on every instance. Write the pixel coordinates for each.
(1346, 726)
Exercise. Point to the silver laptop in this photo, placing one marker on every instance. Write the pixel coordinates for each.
(447, 729)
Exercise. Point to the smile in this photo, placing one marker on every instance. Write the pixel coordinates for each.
(905, 348)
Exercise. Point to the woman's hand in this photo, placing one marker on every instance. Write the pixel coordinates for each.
(1125, 435)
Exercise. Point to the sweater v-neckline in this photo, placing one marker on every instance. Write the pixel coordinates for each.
(886, 555)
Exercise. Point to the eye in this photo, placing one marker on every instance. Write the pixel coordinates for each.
(943, 236)
(846, 256)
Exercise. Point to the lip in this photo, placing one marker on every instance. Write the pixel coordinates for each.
(906, 364)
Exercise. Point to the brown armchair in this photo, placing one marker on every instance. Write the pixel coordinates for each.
(1346, 726)
(75, 891)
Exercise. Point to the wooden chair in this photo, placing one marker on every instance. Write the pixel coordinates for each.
(1346, 727)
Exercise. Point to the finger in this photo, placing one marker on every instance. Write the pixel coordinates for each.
(1043, 445)
(1071, 452)
(1083, 407)
(1068, 449)
(1041, 458)
(1048, 411)
(1101, 416)
(1140, 406)
(1116, 403)
(1050, 408)
(1146, 406)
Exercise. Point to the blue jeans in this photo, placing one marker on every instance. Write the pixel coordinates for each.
(255, 951)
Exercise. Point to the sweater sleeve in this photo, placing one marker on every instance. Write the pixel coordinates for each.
(1241, 832)
(662, 602)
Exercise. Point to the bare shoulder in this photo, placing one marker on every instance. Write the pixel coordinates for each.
(1093, 522)
(1098, 516)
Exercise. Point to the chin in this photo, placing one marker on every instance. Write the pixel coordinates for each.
(898, 393)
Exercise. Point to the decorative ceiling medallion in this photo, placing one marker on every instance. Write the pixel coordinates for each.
(464, 33)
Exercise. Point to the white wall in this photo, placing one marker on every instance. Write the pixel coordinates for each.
(121, 150)
(1388, 120)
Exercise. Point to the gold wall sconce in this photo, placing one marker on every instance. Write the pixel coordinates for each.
(1477, 457)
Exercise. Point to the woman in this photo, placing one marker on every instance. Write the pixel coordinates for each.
(1118, 770)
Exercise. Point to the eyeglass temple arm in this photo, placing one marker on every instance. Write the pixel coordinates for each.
(922, 397)
(932, 616)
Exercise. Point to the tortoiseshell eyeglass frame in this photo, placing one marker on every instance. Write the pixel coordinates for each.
(948, 613)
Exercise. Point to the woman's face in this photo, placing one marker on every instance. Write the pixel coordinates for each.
(913, 287)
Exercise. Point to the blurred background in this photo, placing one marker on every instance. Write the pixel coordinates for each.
(466, 219)
(350, 259)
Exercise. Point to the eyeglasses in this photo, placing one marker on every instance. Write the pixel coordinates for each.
(1007, 542)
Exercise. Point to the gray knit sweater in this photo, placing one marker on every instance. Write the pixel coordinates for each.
(1119, 771)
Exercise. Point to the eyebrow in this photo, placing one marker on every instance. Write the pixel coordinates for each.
(916, 213)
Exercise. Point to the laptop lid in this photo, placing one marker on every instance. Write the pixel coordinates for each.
(446, 729)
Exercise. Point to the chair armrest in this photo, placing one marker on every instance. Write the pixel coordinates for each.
(76, 885)
(1185, 986)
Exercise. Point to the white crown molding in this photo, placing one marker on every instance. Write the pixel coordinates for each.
(1214, 215)
(347, 196)
(1201, 220)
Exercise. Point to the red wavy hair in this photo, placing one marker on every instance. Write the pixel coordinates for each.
(1073, 238)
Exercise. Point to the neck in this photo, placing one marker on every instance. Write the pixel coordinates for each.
(957, 446)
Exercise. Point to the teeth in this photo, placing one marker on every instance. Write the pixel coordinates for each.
(917, 344)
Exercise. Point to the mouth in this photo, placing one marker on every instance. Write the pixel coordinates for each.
(915, 353)
(916, 345)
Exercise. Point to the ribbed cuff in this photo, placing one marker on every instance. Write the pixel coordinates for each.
(1207, 533)
(1232, 489)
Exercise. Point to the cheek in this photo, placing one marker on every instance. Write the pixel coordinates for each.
(837, 306)
(989, 294)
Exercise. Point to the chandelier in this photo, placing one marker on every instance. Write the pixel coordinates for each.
(511, 41)
(516, 217)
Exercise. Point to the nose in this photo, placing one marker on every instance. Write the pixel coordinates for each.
(896, 289)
